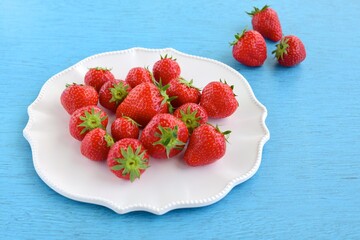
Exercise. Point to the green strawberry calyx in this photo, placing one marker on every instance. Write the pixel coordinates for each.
(238, 36)
(167, 57)
(225, 133)
(131, 162)
(109, 140)
(257, 10)
(190, 119)
(91, 120)
(73, 84)
(169, 139)
(281, 48)
(133, 122)
(100, 68)
(119, 91)
(188, 83)
(166, 99)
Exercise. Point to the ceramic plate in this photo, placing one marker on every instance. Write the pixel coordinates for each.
(167, 184)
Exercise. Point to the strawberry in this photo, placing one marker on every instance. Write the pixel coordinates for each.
(138, 75)
(76, 96)
(128, 159)
(290, 51)
(86, 119)
(206, 145)
(192, 114)
(96, 144)
(165, 136)
(249, 48)
(184, 91)
(266, 22)
(144, 102)
(166, 69)
(218, 99)
(124, 127)
(97, 76)
(112, 93)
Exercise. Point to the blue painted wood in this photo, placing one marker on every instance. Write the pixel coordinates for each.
(308, 186)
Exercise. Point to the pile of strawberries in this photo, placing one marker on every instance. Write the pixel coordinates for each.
(158, 113)
(249, 47)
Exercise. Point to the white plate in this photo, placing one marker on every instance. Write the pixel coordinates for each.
(167, 184)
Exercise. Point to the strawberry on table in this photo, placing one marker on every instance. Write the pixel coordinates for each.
(138, 75)
(112, 93)
(128, 159)
(165, 136)
(97, 76)
(218, 99)
(290, 51)
(86, 119)
(184, 91)
(266, 22)
(192, 114)
(96, 144)
(207, 144)
(124, 127)
(166, 69)
(249, 48)
(76, 96)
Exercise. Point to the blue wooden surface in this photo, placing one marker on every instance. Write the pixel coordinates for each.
(308, 185)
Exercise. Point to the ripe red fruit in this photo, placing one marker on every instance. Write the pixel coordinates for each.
(86, 119)
(76, 96)
(218, 99)
(96, 144)
(290, 51)
(184, 91)
(144, 102)
(207, 144)
(249, 48)
(96, 77)
(192, 114)
(112, 93)
(266, 22)
(165, 136)
(128, 159)
(124, 127)
(166, 69)
(138, 75)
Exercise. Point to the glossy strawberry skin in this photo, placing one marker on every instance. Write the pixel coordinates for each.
(96, 77)
(267, 23)
(106, 98)
(76, 96)
(75, 121)
(249, 48)
(142, 104)
(183, 92)
(124, 128)
(206, 145)
(218, 100)
(138, 75)
(295, 51)
(149, 135)
(166, 69)
(115, 152)
(201, 116)
(94, 146)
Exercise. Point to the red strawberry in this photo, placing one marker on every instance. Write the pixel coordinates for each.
(249, 48)
(76, 96)
(290, 51)
(124, 127)
(138, 75)
(96, 144)
(96, 77)
(112, 93)
(206, 145)
(86, 119)
(166, 69)
(218, 99)
(128, 159)
(184, 91)
(165, 136)
(266, 22)
(192, 114)
(144, 102)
